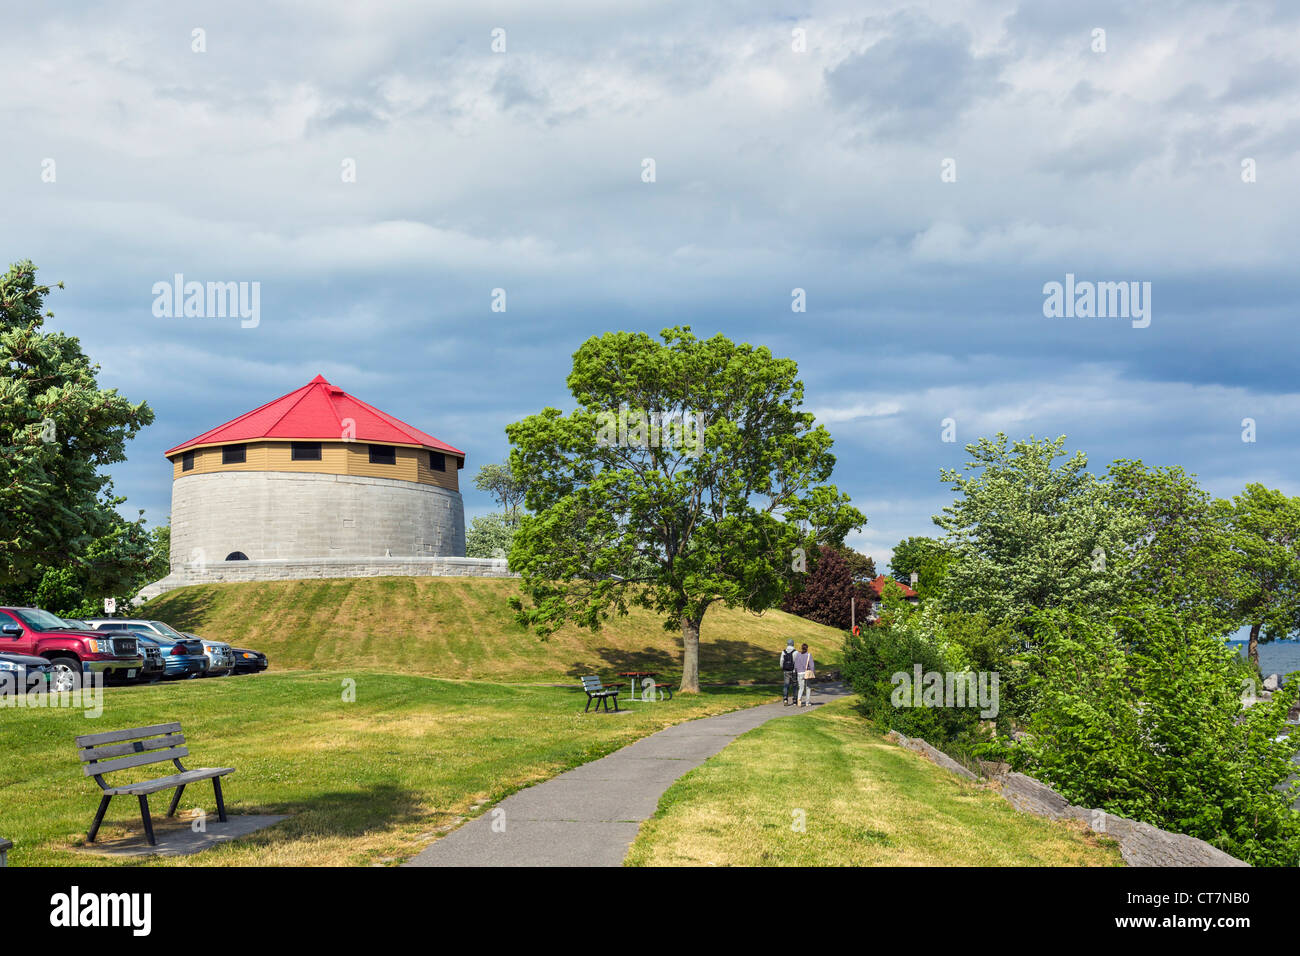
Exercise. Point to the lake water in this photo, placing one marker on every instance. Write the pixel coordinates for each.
(1278, 657)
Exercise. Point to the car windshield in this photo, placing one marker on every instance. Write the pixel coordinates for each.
(171, 632)
(39, 620)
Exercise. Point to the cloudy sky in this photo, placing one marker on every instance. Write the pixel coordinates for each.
(794, 146)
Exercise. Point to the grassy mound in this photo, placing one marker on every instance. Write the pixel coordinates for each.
(464, 628)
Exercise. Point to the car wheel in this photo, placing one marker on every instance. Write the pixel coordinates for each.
(65, 673)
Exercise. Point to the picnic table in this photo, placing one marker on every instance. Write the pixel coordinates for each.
(637, 675)
(665, 690)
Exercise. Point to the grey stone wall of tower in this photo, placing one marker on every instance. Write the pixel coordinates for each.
(299, 516)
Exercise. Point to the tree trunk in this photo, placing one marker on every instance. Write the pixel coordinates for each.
(1252, 649)
(690, 655)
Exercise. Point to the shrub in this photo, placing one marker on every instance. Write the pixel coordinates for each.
(873, 658)
(1142, 716)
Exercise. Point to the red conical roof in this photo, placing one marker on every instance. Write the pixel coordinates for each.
(316, 412)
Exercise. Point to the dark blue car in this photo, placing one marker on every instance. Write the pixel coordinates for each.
(182, 659)
(23, 674)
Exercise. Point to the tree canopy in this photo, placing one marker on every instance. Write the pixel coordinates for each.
(682, 478)
(57, 429)
(1263, 558)
(927, 557)
(1027, 533)
(504, 486)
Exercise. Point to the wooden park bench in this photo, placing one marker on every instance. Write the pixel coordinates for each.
(599, 693)
(137, 747)
(5, 847)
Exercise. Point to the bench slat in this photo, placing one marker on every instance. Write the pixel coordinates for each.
(136, 760)
(145, 787)
(131, 747)
(135, 733)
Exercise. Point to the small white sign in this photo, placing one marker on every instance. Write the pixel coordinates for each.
(110, 605)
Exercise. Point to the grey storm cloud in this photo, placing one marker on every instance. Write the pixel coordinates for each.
(915, 80)
(776, 170)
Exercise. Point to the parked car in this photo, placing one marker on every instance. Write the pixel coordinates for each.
(72, 652)
(250, 662)
(182, 660)
(221, 657)
(24, 673)
(155, 667)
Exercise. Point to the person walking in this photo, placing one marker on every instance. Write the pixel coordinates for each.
(790, 686)
(803, 665)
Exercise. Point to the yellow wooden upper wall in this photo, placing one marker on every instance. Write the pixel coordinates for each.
(336, 458)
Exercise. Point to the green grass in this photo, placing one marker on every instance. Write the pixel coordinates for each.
(865, 802)
(464, 628)
(366, 782)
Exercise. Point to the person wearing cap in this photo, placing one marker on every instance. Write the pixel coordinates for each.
(790, 687)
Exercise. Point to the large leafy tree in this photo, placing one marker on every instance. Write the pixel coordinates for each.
(117, 563)
(928, 558)
(1178, 554)
(57, 429)
(504, 486)
(1264, 550)
(862, 567)
(677, 520)
(1027, 533)
(827, 594)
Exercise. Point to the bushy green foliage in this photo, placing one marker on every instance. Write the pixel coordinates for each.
(118, 563)
(502, 484)
(1141, 714)
(1027, 533)
(57, 429)
(1262, 557)
(897, 646)
(490, 536)
(928, 558)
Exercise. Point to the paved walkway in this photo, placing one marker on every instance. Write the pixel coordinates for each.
(590, 815)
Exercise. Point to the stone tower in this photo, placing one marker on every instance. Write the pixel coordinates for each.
(314, 476)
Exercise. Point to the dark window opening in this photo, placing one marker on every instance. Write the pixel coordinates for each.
(305, 451)
(437, 461)
(233, 455)
(236, 556)
(383, 455)
(187, 461)
(460, 463)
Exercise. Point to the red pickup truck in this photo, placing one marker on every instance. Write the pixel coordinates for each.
(71, 651)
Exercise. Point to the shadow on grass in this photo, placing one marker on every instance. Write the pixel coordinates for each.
(719, 660)
(349, 813)
(186, 609)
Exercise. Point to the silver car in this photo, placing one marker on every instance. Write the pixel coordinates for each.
(221, 656)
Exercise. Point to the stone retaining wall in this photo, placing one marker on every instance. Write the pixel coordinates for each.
(224, 572)
(1140, 844)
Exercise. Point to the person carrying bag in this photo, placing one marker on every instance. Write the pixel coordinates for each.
(803, 664)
